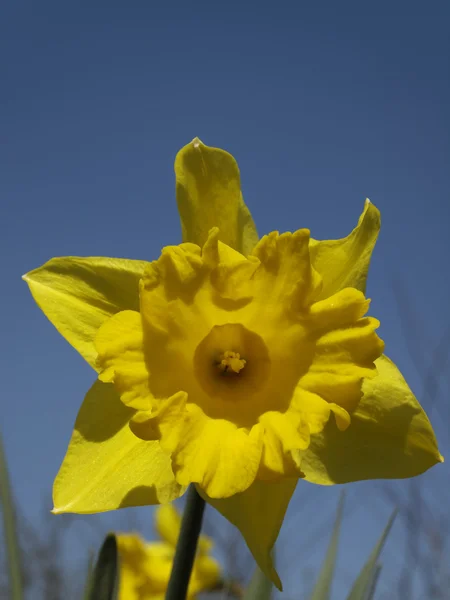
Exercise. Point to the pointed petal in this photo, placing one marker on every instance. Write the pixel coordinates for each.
(258, 513)
(390, 436)
(209, 195)
(78, 294)
(345, 262)
(107, 467)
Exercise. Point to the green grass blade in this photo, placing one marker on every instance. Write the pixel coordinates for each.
(322, 588)
(363, 586)
(89, 577)
(373, 585)
(259, 588)
(104, 583)
(9, 525)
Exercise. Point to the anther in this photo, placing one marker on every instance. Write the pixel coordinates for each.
(231, 362)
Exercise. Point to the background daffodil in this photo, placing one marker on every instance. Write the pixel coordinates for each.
(145, 566)
(221, 363)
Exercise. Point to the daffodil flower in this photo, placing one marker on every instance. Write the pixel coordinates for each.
(145, 567)
(238, 364)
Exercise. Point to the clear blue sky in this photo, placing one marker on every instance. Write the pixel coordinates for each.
(322, 105)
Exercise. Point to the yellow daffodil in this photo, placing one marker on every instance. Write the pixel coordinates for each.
(235, 364)
(145, 567)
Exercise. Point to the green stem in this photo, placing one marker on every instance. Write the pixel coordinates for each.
(186, 546)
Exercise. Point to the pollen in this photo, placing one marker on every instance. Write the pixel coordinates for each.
(231, 362)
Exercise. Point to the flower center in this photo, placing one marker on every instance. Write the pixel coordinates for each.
(231, 363)
(222, 373)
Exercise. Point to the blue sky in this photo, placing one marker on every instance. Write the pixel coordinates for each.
(321, 105)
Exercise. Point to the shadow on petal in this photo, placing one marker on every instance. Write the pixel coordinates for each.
(106, 466)
(102, 413)
(390, 436)
(141, 496)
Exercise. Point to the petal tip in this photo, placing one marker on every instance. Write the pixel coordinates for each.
(197, 142)
(277, 581)
(372, 210)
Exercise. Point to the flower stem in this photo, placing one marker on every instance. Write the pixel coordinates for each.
(186, 546)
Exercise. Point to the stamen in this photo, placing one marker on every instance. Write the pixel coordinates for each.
(231, 362)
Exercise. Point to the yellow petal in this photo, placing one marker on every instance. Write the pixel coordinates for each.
(284, 435)
(167, 523)
(224, 459)
(258, 513)
(286, 269)
(78, 294)
(316, 409)
(390, 436)
(341, 416)
(133, 562)
(145, 569)
(131, 548)
(158, 567)
(119, 343)
(107, 467)
(205, 575)
(343, 308)
(209, 195)
(338, 350)
(345, 262)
